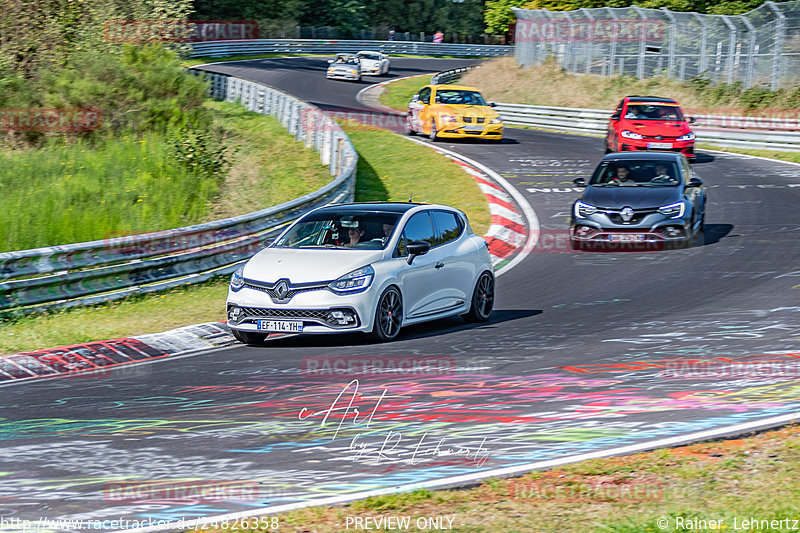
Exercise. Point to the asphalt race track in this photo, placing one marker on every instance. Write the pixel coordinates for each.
(586, 352)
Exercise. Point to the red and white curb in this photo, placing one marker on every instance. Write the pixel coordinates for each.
(99, 358)
(515, 228)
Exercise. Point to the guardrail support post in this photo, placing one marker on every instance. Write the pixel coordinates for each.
(590, 45)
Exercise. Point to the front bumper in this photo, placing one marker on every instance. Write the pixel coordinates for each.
(460, 130)
(314, 309)
(653, 232)
(341, 76)
(644, 145)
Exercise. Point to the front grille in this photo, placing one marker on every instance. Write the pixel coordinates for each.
(468, 120)
(477, 120)
(294, 314)
(319, 316)
(269, 288)
(638, 215)
(480, 120)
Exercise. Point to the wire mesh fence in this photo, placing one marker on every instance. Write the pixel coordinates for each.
(758, 48)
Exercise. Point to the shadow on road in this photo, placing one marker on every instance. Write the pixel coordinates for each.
(434, 328)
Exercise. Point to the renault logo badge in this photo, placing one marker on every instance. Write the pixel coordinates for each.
(626, 214)
(282, 289)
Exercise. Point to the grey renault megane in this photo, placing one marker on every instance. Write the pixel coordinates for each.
(640, 201)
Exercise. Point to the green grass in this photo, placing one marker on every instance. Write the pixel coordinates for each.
(270, 168)
(390, 168)
(71, 193)
(137, 315)
(398, 93)
(76, 192)
(726, 480)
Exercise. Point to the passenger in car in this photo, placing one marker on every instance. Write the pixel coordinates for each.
(662, 175)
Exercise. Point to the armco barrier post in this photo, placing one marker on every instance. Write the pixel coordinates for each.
(334, 146)
(340, 157)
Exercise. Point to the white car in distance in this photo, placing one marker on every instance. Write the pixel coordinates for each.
(344, 67)
(373, 63)
(363, 267)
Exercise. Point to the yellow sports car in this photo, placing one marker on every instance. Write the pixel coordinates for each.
(453, 111)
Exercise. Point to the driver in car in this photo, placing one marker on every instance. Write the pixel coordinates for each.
(623, 177)
(354, 234)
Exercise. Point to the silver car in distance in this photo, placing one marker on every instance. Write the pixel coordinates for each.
(363, 267)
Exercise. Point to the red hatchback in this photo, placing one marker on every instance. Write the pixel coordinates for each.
(650, 123)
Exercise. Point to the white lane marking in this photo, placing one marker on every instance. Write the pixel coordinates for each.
(497, 472)
(748, 156)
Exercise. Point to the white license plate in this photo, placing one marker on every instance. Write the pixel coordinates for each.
(633, 237)
(659, 145)
(280, 326)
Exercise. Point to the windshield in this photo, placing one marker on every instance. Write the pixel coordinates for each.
(635, 173)
(374, 57)
(370, 230)
(459, 97)
(646, 111)
(349, 60)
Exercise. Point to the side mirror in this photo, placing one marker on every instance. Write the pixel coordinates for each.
(492, 104)
(692, 120)
(330, 61)
(579, 182)
(415, 98)
(694, 182)
(416, 248)
(615, 116)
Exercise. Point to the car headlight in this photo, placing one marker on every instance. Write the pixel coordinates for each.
(355, 281)
(630, 135)
(687, 137)
(583, 210)
(237, 279)
(448, 118)
(496, 120)
(673, 210)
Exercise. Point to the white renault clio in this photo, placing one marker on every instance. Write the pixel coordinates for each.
(364, 267)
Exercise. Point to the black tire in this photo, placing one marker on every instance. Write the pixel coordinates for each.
(608, 148)
(249, 337)
(388, 315)
(433, 135)
(482, 299)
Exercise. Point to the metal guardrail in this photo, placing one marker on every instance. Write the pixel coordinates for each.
(449, 76)
(91, 272)
(332, 46)
(718, 130)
